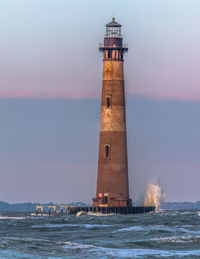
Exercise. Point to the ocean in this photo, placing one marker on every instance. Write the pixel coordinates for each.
(166, 234)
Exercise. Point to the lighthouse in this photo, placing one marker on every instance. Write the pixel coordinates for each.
(112, 180)
(112, 192)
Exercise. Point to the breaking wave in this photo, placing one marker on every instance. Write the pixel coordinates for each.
(154, 194)
(9, 217)
(177, 239)
(99, 214)
(71, 225)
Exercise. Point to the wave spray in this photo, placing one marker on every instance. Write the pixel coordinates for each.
(154, 194)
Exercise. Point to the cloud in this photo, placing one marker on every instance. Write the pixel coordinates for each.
(47, 94)
(165, 96)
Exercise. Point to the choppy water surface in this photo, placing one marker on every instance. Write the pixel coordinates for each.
(174, 234)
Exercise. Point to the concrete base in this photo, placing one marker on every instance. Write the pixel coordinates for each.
(111, 210)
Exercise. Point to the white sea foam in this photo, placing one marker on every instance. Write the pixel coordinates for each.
(77, 245)
(176, 213)
(186, 212)
(96, 226)
(16, 218)
(53, 225)
(134, 228)
(169, 213)
(40, 215)
(177, 239)
(148, 228)
(99, 214)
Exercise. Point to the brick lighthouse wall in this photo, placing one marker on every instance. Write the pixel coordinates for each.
(113, 170)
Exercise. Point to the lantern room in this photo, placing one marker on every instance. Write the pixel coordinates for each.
(113, 29)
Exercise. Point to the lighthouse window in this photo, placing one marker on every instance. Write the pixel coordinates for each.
(108, 102)
(109, 54)
(107, 150)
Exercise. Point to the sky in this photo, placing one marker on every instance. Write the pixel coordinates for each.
(50, 87)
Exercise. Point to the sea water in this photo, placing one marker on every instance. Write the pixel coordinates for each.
(165, 234)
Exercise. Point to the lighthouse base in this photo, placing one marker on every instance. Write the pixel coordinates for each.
(112, 210)
(107, 201)
(69, 210)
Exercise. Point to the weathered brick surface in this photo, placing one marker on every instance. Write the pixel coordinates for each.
(112, 178)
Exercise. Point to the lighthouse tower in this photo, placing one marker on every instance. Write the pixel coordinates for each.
(112, 181)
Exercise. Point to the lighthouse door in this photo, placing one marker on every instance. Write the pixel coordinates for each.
(105, 200)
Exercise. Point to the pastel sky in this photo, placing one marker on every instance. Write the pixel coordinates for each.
(50, 85)
(49, 48)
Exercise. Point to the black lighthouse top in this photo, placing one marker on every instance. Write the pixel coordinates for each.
(113, 29)
(113, 47)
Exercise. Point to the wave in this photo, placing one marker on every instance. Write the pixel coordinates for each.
(26, 239)
(75, 245)
(16, 218)
(178, 212)
(148, 228)
(99, 214)
(177, 239)
(96, 226)
(123, 253)
(13, 254)
(53, 225)
(23, 217)
(39, 215)
(135, 228)
(186, 212)
(71, 225)
(175, 229)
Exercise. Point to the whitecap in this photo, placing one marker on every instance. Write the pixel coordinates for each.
(16, 218)
(187, 226)
(134, 228)
(70, 225)
(96, 226)
(170, 213)
(176, 239)
(99, 214)
(148, 228)
(186, 212)
(54, 225)
(76, 245)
